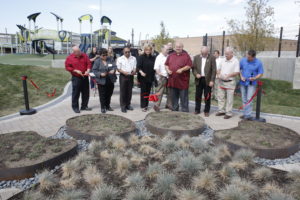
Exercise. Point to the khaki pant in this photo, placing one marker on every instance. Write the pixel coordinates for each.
(216, 88)
(162, 86)
(225, 97)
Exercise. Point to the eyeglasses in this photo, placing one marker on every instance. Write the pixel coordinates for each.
(104, 55)
(126, 51)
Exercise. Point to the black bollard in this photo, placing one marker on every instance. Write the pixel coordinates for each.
(258, 103)
(27, 111)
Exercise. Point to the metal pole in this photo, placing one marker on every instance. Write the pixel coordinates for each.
(132, 37)
(298, 44)
(211, 46)
(280, 40)
(258, 103)
(223, 43)
(53, 56)
(28, 110)
(91, 34)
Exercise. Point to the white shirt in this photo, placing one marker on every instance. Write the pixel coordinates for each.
(126, 64)
(229, 66)
(160, 64)
(203, 62)
(218, 61)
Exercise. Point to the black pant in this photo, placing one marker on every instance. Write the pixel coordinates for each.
(202, 86)
(126, 84)
(105, 93)
(145, 92)
(80, 85)
(183, 95)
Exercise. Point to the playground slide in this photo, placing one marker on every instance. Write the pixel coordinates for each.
(36, 47)
(84, 47)
(49, 49)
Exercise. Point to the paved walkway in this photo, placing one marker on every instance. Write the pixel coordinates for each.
(51, 117)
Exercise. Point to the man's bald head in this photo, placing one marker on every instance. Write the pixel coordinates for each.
(76, 50)
(228, 53)
(204, 51)
(178, 47)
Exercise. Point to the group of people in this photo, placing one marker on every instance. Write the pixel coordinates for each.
(169, 71)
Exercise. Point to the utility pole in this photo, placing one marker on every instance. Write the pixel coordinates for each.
(280, 41)
(132, 37)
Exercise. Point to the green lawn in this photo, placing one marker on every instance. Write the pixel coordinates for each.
(280, 98)
(11, 90)
(27, 59)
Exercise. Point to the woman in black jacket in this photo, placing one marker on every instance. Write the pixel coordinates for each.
(104, 69)
(145, 67)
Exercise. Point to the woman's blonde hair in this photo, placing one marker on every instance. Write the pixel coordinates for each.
(147, 46)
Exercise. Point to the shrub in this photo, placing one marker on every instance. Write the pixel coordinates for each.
(48, 181)
(164, 185)
(105, 154)
(271, 188)
(82, 160)
(295, 189)
(206, 180)
(134, 140)
(279, 196)
(238, 165)
(147, 149)
(222, 151)
(72, 195)
(189, 194)
(294, 175)
(119, 144)
(135, 180)
(68, 168)
(105, 192)
(246, 186)
(173, 158)
(136, 159)
(198, 145)
(262, 174)
(245, 155)
(232, 192)
(184, 142)
(71, 182)
(168, 144)
(122, 165)
(208, 160)
(110, 140)
(95, 147)
(148, 140)
(189, 165)
(153, 170)
(92, 176)
(139, 193)
(227, 172)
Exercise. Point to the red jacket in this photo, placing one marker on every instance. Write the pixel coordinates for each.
(81, 63)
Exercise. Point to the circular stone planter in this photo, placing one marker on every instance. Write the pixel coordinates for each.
(177, 123)
(268, 141)
(99, 126)
(26, 168)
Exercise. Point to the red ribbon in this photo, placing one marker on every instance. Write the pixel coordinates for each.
(152, 97)
(259, 84)
(38, 88)
(34, 84)
(51, 94)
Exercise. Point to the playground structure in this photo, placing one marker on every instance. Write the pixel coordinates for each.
(38, 40)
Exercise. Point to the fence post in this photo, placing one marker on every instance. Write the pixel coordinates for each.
(258, 103)
(223, 43)
(298, 44)
(28, 110)
(280, 40)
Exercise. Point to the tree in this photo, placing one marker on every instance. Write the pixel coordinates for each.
(163, 38)
(257, 30)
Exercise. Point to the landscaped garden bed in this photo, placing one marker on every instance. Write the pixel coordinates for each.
(99, 126)
(266, 140)
(145, 168)
(178, 123)
(22, 154)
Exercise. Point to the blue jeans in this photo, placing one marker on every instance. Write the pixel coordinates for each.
(247, 93)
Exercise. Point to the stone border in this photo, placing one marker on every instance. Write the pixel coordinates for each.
(178, 133)
(29, 171)
(274, 153)
(87, 137)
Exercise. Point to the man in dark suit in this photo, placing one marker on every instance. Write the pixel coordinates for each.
(204, 70)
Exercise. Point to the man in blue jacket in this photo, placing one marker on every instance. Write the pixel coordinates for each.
(251, 69)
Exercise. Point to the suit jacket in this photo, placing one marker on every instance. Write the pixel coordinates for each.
(210, 69)
(99, 68)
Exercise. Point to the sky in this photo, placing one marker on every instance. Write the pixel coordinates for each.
(183, 18)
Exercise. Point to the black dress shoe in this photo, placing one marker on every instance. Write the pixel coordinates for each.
(86, 108)
(124, 110)
(129, 107)
(76, 110)
(103, 110)
(197, 112)
(109, 108)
